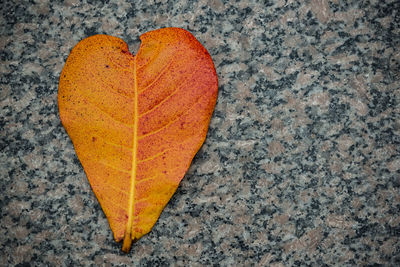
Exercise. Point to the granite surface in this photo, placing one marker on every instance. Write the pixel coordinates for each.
(301, 165)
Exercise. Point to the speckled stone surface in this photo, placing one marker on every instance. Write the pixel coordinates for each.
(301, 165)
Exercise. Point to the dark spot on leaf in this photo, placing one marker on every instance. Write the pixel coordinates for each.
(94, 139)
(107, 66)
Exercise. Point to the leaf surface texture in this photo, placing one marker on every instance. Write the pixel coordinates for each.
(136, 122)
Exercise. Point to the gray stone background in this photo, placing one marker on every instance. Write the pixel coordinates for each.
(301, 165)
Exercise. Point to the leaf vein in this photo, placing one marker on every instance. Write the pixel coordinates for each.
(156, 54)
(154, 156)
(113, 167)
(112, 90)
(162, 72)
(114, 144)
(142, 199)
(116, 188)
(106, 113)
(166, 98)
(159, 104)
(172, 121)
(147, 179)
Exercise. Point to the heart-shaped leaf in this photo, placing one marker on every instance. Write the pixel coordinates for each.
(136, 122)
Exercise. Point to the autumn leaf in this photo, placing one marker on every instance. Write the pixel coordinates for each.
(136, 122)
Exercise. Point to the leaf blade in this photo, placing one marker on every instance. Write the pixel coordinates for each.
(144, 118)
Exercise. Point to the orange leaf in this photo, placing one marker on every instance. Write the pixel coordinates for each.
(136, 122)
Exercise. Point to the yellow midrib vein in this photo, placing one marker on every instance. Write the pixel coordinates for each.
(128, 232)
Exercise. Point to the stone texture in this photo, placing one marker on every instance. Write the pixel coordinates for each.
(301, 165)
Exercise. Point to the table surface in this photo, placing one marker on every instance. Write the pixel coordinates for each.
(301, 165)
